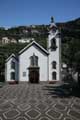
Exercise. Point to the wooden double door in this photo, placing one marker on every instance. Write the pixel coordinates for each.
(33, 74)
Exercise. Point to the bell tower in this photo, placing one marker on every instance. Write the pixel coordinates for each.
(54, 49)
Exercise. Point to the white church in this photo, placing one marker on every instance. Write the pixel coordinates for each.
(34, 63)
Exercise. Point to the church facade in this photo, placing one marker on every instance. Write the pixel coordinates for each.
(34, 63)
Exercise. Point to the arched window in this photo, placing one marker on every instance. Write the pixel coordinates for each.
(53, 75)
(12, 65)
(54, 64)
(53, 44)
(33, 60)
(12, 75)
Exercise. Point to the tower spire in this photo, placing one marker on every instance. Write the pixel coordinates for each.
(52, 23)
(52, 19)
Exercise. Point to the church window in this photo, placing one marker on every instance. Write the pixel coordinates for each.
(24, 74)
(54, 64)
(12, 65)
(54, 76)
(53, 44)
(34, 60)
(12, 75)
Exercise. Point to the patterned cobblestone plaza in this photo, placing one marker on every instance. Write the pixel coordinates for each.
(27, 101)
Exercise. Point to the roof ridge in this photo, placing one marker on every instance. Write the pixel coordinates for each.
(33, 42)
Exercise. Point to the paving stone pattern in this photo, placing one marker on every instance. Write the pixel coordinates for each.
(27, 101)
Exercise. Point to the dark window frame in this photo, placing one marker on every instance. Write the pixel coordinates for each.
(54, 65)
(12, 65)
(34, 60)
(54, 75)
(53, 44)
(12, 75)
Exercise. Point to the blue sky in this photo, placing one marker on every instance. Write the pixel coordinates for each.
(27, 12)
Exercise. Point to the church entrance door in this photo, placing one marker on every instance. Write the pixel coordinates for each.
(33, 74)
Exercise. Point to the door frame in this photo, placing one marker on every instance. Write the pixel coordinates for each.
(35, 71)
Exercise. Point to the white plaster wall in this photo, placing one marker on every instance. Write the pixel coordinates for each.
(8, 69)
(24, 63)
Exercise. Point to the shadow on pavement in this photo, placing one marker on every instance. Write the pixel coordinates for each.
(63, 90)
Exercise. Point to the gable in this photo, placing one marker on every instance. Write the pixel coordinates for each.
(33, 50)
(35, 44)
(12, 56)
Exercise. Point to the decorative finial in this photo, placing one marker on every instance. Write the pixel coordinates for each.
(52, 19)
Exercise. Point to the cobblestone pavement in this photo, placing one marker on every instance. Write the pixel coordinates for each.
(34, 102)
